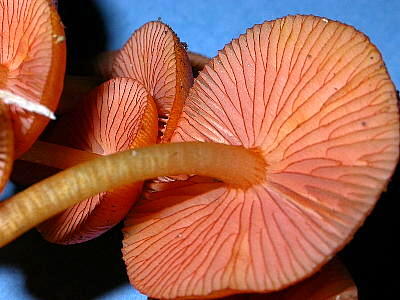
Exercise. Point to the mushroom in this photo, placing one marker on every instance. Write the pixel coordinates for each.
(313, 97)
(156, 58)
(116, 116)
(298, 123)
(32, 66)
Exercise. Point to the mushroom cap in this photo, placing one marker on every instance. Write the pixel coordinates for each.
(155, 57)
(116, 116)
(32, 62)
(314, 97)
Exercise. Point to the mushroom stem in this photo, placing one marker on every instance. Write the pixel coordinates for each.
(56, 156)
(234, 165)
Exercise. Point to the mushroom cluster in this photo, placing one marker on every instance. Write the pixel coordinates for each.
(248, 179)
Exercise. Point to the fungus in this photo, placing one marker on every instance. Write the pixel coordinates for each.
(116, 116)
(298, 90)
(32, 65)
(156, 58)
(301, 130)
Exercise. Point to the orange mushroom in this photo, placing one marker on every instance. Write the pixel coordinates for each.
(32, 66)
(296, 119)
(315, 100)
(116, 116)
(155, 57)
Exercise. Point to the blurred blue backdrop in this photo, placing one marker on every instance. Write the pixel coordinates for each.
(33, 269)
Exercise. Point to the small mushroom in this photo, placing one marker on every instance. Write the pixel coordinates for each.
(156, 58)
(32, 66)
(116, 116)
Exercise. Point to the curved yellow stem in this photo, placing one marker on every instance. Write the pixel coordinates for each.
(232, 164)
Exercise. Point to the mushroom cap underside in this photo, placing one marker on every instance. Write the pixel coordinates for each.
(314, 97)
(156, 58)
(116, 116)
(32, 63)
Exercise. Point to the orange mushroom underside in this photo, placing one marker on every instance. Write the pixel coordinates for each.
(116, 116)
(155, 57)
(313, 96)
(32, 63)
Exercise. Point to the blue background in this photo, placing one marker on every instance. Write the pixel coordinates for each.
(31, 268)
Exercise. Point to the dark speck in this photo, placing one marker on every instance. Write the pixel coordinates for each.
(364, 124)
